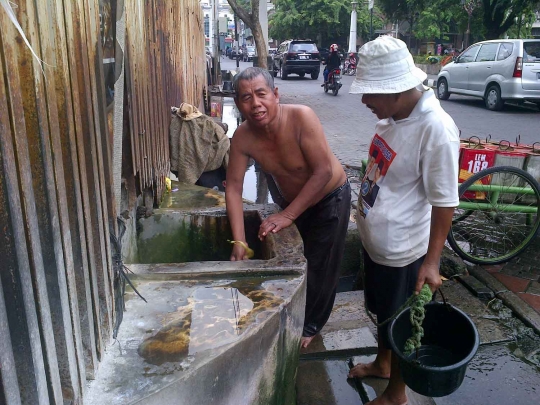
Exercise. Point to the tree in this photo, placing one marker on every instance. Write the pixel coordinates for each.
(435, 18)
(325, 20)
(251, 19)
(501, 15)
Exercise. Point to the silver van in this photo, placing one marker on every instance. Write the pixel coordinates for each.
(496, 70)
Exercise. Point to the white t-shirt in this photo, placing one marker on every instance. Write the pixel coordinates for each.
(412, 166)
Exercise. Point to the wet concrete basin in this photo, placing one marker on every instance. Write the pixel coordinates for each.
(212, 331)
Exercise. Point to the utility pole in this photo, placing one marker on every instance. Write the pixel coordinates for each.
(236, 42)
(352, 32)
(215, 35)
(370, 7)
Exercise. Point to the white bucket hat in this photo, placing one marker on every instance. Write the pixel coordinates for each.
(385, 66)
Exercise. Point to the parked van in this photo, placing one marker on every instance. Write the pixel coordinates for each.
(496, 70)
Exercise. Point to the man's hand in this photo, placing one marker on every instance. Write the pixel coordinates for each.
(238, 253)
(428, 274)
(274, 223)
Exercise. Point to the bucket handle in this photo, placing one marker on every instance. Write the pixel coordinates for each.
(439, 290)
(488, 138)
(518, 140)
(536, 150)
(505, 146)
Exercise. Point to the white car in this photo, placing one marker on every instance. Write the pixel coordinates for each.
(496, 70)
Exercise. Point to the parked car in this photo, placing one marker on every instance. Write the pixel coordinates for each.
(248, 53)
(496, 70)
(234, 55)
(297, 56)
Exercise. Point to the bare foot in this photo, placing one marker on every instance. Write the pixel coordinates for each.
(385, 399)
(373, 369)
(306, 340)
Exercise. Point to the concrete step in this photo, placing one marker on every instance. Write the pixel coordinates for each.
(325, 382)
(348, 332)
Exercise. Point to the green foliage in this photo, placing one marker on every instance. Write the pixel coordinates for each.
(327, 20)
(499, 16)
(523, 28)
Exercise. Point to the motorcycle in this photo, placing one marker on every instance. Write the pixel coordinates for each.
(349, 68)
(334, 82)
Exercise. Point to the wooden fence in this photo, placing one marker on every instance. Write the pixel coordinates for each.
(58, 196)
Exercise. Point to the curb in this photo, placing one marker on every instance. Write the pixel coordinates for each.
(430, 83)
(523, 311)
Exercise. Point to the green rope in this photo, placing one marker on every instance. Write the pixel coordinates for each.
(418, 313)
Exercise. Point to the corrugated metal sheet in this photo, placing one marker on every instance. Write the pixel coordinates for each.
(57, 201)
(166, 66)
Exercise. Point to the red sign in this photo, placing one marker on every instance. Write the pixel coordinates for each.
(471, 162)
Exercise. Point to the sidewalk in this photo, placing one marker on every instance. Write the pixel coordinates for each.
(517, 283)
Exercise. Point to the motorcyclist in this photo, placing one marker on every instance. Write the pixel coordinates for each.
(352, 60)
(332, 61)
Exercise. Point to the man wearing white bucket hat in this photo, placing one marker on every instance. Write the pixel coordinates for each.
(408, 192)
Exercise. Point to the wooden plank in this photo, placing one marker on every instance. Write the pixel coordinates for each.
(77, 186)
(15, 270)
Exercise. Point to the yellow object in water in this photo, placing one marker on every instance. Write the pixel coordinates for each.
(168, 184)
(249, 252)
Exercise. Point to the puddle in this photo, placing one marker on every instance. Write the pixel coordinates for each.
(255, 185)
(211, 317)
(496, 376)
(185, 196)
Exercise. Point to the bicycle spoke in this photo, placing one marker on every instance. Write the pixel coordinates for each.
(498, 222)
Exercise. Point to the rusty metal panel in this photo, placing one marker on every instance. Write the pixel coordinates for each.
(87, 140)
(71, 205)
(82, 234)
(170, 68)
(16, 269)
(57, 201)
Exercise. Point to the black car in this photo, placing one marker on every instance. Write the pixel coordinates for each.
(297, 56)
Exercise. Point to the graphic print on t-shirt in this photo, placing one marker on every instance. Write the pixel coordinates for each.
(380, 159)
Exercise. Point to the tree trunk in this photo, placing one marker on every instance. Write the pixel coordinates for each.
(252, 21)
(258, 36)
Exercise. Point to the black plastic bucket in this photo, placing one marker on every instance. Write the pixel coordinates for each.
(450, 341)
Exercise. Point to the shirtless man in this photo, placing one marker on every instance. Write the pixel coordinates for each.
(288, 142)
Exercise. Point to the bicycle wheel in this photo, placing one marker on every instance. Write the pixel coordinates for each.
(497, 217)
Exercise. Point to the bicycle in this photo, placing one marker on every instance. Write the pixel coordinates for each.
(497, 217)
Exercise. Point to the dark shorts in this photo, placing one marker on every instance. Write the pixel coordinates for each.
(387, 288)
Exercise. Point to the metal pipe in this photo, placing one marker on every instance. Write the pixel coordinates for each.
(515, 208)
(502, 189)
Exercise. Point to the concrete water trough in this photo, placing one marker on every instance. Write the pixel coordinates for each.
(212, 331)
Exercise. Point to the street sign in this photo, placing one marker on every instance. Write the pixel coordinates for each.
(370, 4)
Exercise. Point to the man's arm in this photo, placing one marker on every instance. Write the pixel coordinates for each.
(318, 157)
(441, 220)
(233, 196)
